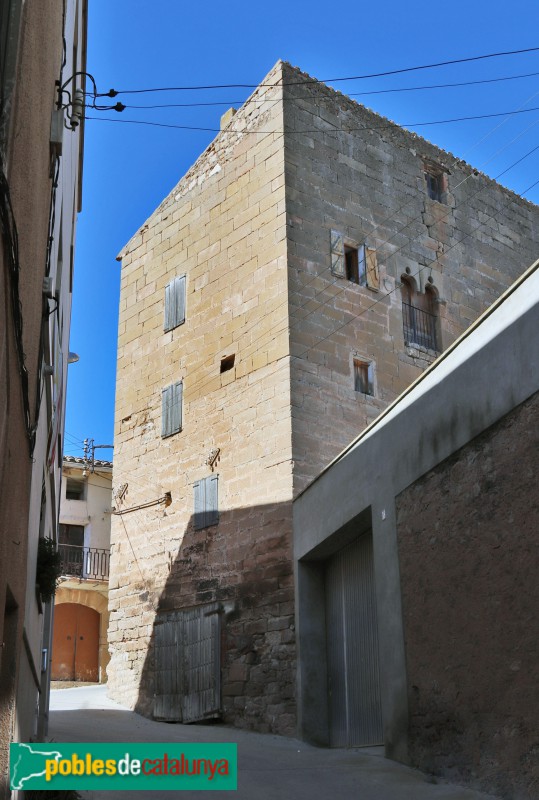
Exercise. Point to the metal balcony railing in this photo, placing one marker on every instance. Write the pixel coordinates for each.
(91, 563)
(419, 327)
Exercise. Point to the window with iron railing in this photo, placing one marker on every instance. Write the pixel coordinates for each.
(419, 317)
(91, 563)
(419, 327)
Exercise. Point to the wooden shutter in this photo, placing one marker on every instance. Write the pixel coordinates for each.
(212, 505)
(175, 303)
(337, 254)
(176, 411)
(200, 502)
(179, 293)
(206, 502)
(171, 409)
(166, 406)
(373, 276)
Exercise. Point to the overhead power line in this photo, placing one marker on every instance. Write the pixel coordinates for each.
(384, 74)
(350, 94)
(329, 130)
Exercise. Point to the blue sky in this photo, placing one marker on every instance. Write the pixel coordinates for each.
(129, 169)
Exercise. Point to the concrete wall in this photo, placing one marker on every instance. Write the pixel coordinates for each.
(353, 171)
(223, 226)
(459, 399)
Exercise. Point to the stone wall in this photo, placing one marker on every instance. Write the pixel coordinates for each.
(467, 545)
(350, 170)
(223, 226)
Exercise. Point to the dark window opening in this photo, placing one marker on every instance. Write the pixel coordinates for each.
(72, 535)
(227, 363)
(354, 259)
(74, 489)
(363, 381)
(435, 184)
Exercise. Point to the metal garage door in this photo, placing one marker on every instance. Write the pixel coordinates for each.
(187, 664)
(355, 715)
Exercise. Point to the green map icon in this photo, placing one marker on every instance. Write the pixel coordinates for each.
(28, 762)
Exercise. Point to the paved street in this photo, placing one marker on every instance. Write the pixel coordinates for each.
(270, 767)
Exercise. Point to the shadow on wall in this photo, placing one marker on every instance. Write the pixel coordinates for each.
(237, 578)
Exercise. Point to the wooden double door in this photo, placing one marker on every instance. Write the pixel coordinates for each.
(75, 643)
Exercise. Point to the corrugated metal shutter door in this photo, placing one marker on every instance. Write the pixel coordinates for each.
(187, 664)
(352, 644)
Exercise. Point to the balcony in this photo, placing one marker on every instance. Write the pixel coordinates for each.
(419, 327)
(90, 563)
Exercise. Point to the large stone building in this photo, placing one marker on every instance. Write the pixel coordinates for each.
(302, 274)
(41, 43)
(428, 560)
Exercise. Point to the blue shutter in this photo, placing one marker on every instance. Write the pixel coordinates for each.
(212, 505)
(199, 505)
(166, 404)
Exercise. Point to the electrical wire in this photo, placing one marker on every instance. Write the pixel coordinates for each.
(349, 94)
(317, 130)
(401, 71)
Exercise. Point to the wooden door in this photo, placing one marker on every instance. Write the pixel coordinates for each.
(75, 645)
(187, 664)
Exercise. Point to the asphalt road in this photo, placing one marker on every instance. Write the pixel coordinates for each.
(269, 767)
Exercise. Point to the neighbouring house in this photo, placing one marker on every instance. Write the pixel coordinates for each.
(416, 567)
(302, 274)
(42, 81)
(81, 617)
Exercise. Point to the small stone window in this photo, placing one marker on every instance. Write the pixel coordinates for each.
(355, 262)
(363, 376)
(227, 362)
(436, 182)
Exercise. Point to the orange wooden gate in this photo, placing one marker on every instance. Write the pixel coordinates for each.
(75, 643)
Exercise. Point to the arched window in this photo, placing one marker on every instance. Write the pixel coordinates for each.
(419, 317)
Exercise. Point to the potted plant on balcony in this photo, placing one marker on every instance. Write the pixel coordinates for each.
(49, 569)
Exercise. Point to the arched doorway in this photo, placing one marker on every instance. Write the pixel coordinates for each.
(75, 643)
